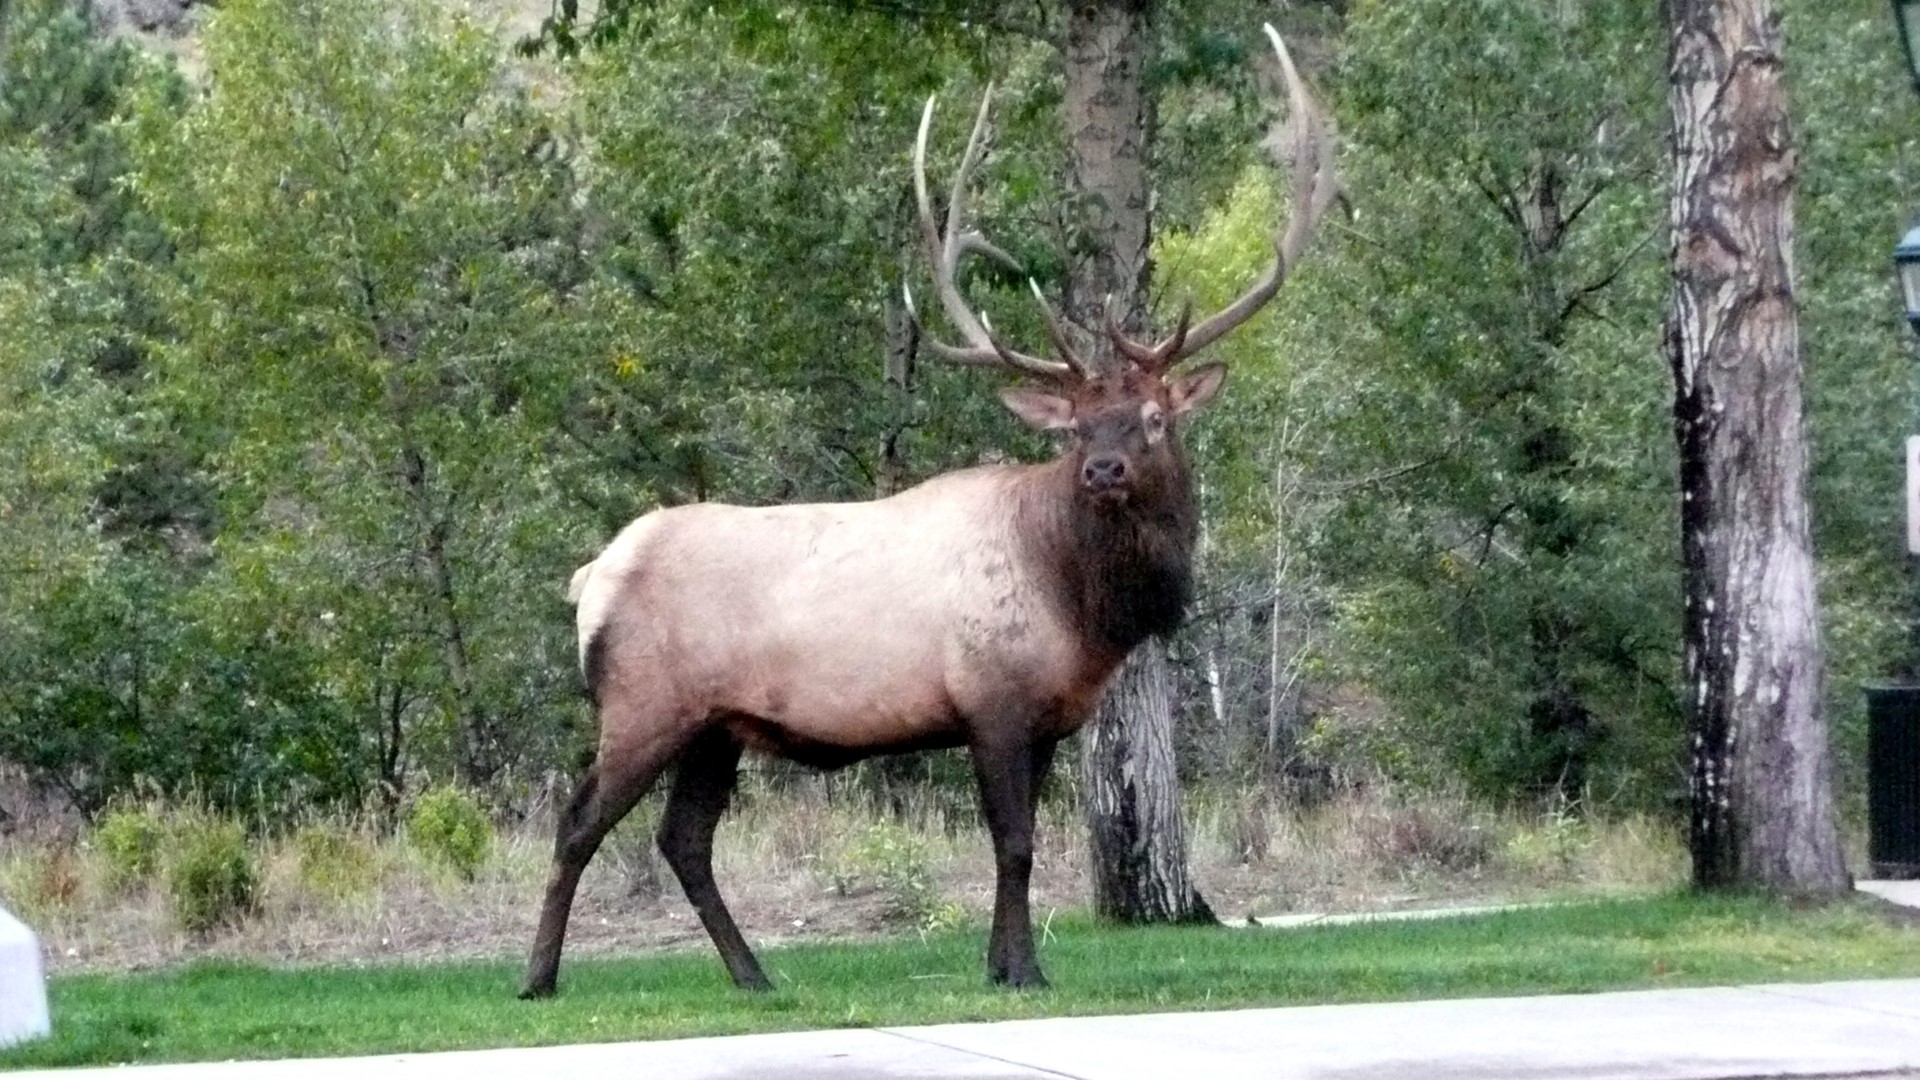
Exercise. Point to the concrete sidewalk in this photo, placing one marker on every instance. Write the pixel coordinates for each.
(1816, 1030)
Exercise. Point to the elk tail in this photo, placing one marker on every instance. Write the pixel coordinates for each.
(578, 586)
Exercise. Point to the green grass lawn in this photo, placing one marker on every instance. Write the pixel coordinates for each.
(225, 1010)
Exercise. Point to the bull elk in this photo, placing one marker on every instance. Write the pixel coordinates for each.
(985, 608)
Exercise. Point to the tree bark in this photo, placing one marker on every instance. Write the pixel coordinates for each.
(1132, 789)
(902, 348)
(6, 9)
(1761, 770)
(1136, 838)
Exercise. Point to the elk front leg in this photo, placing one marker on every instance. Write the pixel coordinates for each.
(1004, 767)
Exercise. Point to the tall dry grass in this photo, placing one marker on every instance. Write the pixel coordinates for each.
(815, 858)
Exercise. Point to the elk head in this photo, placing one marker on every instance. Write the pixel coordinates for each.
(1120, 419)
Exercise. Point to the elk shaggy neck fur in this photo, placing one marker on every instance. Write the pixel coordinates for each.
(1121, 574)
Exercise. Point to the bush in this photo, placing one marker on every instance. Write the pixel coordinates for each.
(211, 877)
(336, 864)
(1553, 848)
(41, 882)
(449, 826)
(1443, 837)
(130, 839)
(896, 862)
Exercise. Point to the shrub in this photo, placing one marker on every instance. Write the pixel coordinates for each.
(336, 864)
(449, 826)
(211, 877)
(41, 882)
(1442, 837)
(1553, 848)
(896, 862)
(130, 840)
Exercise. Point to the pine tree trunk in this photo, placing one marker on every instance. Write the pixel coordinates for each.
(1761, 782)
(1132, 789)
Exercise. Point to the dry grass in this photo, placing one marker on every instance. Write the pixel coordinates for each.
(808, 862)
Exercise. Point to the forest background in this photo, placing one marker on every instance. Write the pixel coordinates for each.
(336, 334)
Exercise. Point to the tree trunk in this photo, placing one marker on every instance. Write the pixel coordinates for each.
(1761, 779)
(1137, 842)
(6, 9)
(475, 743)
(1132, 789)
(1212, 641)
(902, 348)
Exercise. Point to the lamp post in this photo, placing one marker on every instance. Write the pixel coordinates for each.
(1893, 711)
(1906, 14)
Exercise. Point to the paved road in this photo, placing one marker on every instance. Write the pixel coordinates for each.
(1828, 1030)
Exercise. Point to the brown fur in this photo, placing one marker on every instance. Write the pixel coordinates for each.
(984, 608)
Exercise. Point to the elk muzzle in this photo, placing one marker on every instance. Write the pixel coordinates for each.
(1106, 476)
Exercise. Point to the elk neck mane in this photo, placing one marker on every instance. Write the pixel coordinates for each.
(1120, 574)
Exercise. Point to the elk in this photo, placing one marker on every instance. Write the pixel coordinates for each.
(985, 608)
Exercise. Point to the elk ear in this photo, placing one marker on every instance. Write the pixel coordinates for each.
(1195, 387)
(1041, 412)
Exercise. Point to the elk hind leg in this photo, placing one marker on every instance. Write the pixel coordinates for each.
(607, 792)
(702, 788)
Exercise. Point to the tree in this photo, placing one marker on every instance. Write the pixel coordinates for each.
(1137, 839)
(1761, 768)
(1482, 409)
(381, 258)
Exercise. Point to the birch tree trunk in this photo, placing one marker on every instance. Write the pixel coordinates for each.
(902, 347)
(1761, 770)
(1132, 788)
(6, 9)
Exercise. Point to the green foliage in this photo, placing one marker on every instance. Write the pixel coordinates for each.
(895, 862)
(319, 380)
(212, 879)
(1466, 375)
(1553, 848)
(132, 839)
(337, 864)
(450, 827)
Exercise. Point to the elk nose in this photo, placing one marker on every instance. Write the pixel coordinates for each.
(1103, 472)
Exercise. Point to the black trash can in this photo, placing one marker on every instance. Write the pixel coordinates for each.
(1893, 781)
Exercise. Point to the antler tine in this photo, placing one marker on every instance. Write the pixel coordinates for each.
(1151, 358)
(1061, 341)
(1315, 188)
(945, 249)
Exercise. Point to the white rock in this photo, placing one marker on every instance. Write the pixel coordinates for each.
(23, 986)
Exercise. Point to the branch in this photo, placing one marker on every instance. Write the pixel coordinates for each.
(1580, 207)
(1579, 296)
(1345, 486)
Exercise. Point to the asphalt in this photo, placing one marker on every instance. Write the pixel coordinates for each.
(1817, 1030)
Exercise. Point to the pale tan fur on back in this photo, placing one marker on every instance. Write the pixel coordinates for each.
(847, 624)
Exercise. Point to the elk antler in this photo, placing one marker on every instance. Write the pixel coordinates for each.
(945, 248)
(1314, 190)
